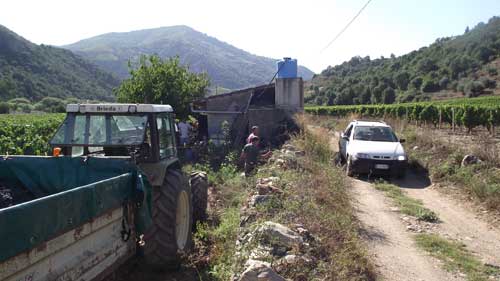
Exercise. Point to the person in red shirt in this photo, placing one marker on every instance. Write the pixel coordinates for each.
(255, 133)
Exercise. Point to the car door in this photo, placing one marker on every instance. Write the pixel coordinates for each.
(344, 141)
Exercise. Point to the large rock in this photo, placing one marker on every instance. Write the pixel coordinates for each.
(259, 199)
(259, 271)
(279, 235)
(267, 188)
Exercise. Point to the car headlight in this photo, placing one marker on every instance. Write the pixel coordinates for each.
(401, 157)
(362, 156)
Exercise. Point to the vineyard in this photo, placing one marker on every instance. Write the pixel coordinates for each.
(27, 134)
(468, 113)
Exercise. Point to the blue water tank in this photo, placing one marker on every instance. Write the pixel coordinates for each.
(287, 68)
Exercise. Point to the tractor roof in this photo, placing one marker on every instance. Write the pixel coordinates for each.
(118, 108)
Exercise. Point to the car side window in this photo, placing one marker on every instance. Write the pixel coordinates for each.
(348, 131)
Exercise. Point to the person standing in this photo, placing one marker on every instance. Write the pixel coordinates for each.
(254, 133)
(184, 129)
(251, 155)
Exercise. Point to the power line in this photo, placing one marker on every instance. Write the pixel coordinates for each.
(345, 28)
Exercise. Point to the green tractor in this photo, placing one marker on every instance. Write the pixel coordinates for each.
(113, 189)
(143, 134)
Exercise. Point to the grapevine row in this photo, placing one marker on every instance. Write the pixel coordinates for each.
(469, 116)
(27, 134)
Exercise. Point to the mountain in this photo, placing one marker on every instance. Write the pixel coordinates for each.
(453, 66)
(226, 65)
(37, 71)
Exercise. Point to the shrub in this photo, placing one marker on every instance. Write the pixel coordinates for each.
(443, 83)
(473, 89)
(430, 86)
(492, 71)
(51, 104)
(4, 108)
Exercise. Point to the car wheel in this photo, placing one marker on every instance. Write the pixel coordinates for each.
(348, 168)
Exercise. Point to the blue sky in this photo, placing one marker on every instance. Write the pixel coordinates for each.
(300, 29)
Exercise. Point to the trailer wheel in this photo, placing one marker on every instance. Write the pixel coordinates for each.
(170, 234)
(199, 189)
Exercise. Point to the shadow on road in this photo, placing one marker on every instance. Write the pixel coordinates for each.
(372, 234)
(412, 180)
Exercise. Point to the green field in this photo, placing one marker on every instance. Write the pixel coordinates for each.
(466, 112)
(27, 134)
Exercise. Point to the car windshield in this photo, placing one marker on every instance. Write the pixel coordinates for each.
(373, 133)
(101, 130)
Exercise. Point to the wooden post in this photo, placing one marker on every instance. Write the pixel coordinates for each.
(453, 119)
(440, 118)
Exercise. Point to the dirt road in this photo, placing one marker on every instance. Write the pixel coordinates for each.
(457, 221)
(392, 246)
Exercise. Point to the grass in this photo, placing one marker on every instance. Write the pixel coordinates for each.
(456, 258)
(443, 162)
(314, 195)
(407, 205)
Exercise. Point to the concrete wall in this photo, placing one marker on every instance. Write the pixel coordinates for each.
(289, 94)
(267, 120)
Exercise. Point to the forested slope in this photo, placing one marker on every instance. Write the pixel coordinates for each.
(464, 64)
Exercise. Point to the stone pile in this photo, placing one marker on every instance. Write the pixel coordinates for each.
(269, 247)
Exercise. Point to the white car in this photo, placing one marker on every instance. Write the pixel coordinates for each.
(372, 148)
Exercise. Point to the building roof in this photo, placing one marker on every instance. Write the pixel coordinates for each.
(118, 108)
(241, 91)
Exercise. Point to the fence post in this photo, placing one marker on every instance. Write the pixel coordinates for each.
(453, 119)
(440, 118)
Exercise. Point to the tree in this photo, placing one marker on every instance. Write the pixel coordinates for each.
(389, 95)
(164, 82)
(426, 65)
(430, 86)
(402, 79)
(416, 82)
(377, 94)
(443, 83)
(473, 88)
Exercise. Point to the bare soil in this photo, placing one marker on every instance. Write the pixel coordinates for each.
(456, 220)
(391, 246)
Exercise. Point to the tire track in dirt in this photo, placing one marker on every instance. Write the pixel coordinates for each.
(457, 222)
(392, 247)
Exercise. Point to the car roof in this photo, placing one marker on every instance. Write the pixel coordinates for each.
(118, 108)
(370, 123)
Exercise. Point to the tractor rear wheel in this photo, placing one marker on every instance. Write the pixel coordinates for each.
(170, 234)
(199, 188)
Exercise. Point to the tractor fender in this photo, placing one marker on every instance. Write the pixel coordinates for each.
(155, 172)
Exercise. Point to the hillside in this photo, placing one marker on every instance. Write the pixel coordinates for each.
(37, 71)
(226, 65)
(465, 65)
